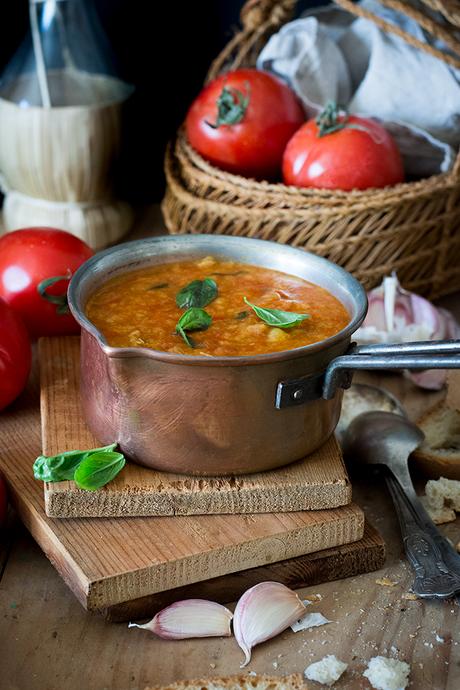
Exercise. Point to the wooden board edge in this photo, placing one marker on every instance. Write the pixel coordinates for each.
(74, 504)
(344, 529)
(364, 556)
(52, 547)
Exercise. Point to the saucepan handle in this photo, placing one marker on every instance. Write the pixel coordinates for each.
(441, 354)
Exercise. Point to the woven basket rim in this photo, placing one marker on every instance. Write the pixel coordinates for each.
(335, 196)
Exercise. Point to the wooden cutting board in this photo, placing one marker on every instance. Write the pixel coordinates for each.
(111, 562)
(317, 482)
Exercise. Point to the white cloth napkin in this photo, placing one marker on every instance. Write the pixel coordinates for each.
(330, 55)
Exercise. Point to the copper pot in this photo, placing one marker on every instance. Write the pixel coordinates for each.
(221, 415)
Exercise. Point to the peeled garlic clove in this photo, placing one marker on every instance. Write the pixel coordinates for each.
(262, 612)
(190, 618)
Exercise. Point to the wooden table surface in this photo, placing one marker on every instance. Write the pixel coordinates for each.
(48, 642)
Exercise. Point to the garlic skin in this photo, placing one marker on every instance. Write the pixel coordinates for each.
(262, 612)
(190, 618)
(397, 316)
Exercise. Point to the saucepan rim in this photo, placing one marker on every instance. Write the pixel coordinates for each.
(352, 286)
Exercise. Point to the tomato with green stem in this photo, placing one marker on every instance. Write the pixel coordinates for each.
(242, 121)
(36, 265)
(341, 151)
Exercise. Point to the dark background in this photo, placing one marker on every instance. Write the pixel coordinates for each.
(164, 49)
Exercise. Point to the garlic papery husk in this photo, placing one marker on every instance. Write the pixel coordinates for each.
(398, 316)
(190, 618)
(262, 612)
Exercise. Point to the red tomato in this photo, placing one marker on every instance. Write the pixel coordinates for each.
(360, 153)
(3, 502)
(27, 258)
(242, 121)
(15, 355)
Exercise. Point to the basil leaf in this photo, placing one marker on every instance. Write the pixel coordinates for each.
(98, 469)
(198, 293)
(193, 319)
(277, 317)
(61, 467)
(190, 342)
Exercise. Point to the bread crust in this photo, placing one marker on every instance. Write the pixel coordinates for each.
(431, 462)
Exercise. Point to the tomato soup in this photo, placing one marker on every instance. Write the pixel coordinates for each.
(140, 309)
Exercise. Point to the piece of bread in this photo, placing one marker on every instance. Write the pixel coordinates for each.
(326, 671)
(439, 455)
(242, 682)
(387, 674)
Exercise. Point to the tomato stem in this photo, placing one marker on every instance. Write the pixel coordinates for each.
(331, 119)
(231, 106)
(62, 305)
(334, 118)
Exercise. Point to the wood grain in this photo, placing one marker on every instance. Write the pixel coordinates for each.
(109, 561)
(316, 483)
(349, 560)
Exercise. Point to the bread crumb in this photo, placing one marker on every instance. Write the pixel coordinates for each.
(212, 665)
(439, 515)
(387, 674)
(410, 596)
(385, 582)
(326, 671)
(442, 499)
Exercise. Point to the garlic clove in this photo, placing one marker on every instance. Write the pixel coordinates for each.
(262, 612)
(190, 618)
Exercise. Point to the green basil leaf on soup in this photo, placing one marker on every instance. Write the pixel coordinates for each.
(277, 317)
(193, 319)
(98, 469)
(198, 293)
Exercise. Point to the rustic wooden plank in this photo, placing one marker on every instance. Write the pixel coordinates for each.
(110, 561)
(316, 483)
(349, 560)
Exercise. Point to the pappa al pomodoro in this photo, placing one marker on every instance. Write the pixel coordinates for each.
(214, 307)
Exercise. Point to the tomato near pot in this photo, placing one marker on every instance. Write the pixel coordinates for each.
(15, 355)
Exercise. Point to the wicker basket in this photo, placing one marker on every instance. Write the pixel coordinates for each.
(413, 228)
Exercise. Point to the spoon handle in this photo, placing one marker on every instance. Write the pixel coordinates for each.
(434, 577)
(401, 472)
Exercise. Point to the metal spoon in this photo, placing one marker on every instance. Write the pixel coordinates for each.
(386, 440)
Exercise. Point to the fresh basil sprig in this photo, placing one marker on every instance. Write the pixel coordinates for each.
(61, 467)
(277, 317)
(90, 469)
(193, 319)
(198, 293)
(98, 469)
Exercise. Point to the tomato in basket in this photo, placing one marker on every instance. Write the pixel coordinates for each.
(338, 151)
(242, 121)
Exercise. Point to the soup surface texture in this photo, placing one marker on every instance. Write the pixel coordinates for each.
(138, 309)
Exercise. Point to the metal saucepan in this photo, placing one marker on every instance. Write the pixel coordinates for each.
(226, 415)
